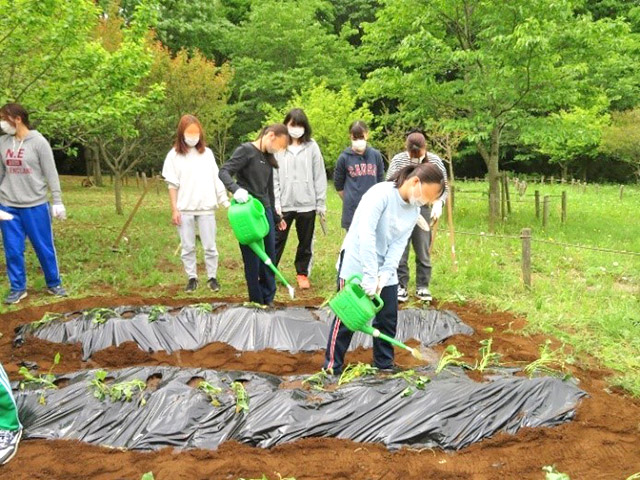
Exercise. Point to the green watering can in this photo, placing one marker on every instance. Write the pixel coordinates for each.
(250, 225)
(355, 309)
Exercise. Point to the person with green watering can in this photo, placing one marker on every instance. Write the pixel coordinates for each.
(252, 164)
(372, 249)
(10, 428)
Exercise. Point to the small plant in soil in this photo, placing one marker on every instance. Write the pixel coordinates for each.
(148, 476)
(317, 380)
(44, 381)
(550, 362)
(242, 399)
(45, 320)
(450, 356)
(101, 315)
(156, 312)
(488, 358)
(118, 392)
(203, 307)
(211, 391)
(552, 474)
(413, 380)
(351, 372)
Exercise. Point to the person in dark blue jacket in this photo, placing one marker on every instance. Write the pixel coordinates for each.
(359, 167)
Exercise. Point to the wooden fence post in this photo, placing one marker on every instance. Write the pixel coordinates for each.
(503, 198)
(564, 206)
(545, 211)
(537, 195)
(584, 187)
(138, 179)
(621, 191)
(157, 179)
(144, 180)
(506, 189)
(525, 235)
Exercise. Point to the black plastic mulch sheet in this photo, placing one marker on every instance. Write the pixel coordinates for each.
(452, 411)
(245, 329)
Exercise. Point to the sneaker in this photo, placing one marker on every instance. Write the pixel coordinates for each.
(9, 440)
(58, 291)
(192, 284)
(424, 294)
(403, 295)
(15, 296)
(391, 370)
(213, 284)
(303, 282)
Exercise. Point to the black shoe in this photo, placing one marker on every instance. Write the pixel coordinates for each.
(213, 284)
(271, 305)
(192, 285)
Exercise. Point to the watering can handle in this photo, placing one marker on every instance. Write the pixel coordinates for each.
(233, 201)
(378, 303)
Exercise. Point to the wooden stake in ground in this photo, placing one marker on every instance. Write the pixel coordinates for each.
(525, 235)
(131, 215)
(452, 239)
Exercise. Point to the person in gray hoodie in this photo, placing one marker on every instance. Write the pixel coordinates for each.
(27, 171)
(300, 186)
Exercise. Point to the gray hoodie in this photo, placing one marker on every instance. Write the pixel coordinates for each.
(300, 182)
(27, 168)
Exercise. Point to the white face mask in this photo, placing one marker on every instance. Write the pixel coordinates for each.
(359, 145)
(296, 132)
(416, 200)
(192, 141)
(7, 127)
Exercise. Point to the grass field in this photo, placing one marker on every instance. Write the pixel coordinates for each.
(588, 299)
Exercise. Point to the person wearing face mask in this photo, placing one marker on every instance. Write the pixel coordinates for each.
(372, 248)
(416, 153)
(359, 167)
(300, 186)
(27, 171)
(195, 191)
(253, 164)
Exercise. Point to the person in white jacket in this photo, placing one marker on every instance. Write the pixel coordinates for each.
(195, 191)
(300, 188)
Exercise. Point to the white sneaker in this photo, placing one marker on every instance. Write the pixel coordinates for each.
(424, 294)
(403, 295)
(9, 440)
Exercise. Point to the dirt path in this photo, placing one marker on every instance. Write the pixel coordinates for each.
(602, 443)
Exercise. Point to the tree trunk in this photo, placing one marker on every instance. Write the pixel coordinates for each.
(87, 162)
(564, 171)
(117, 184)
(97, 169)
(491, 160)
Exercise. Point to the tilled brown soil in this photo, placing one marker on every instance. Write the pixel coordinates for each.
(603, 442)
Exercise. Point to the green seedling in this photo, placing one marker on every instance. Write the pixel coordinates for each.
(242, 399)
(414, 380)
(351, 372)
(44, 381)
(317, 380)
(148, 476)
(101, 315)
(211, 391)
(552, 474)
(156, 312)
(45, 320)
(450, 356)
(203, 307)
(635, 476)
(550, 362)
(488, 358)
(119, 392)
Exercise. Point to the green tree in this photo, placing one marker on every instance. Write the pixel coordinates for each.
(567, 135)
(280, 48)
(192, 84)
(330, 113)
(496, 65)
(622, 138)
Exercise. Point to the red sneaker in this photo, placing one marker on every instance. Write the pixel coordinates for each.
(303, 282)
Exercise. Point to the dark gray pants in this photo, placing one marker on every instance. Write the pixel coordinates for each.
(421, 242)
